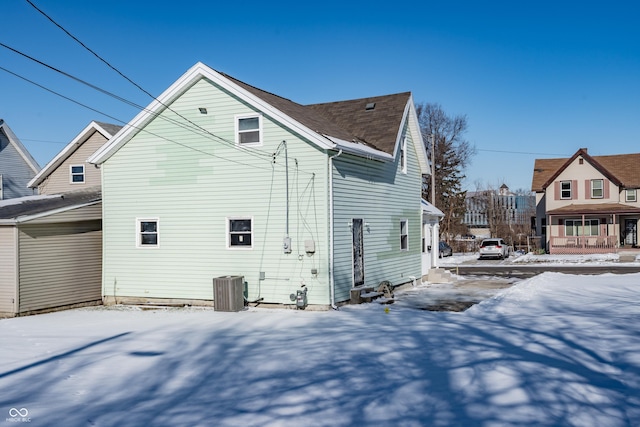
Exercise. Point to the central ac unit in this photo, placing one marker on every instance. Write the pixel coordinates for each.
(228, 293)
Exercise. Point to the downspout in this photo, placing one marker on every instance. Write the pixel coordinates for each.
(332, 283)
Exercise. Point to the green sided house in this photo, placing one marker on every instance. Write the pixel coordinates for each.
(218, 179)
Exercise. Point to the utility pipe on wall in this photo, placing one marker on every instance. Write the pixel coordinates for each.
(332, 284)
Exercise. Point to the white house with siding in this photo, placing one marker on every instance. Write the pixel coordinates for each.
(217, 178)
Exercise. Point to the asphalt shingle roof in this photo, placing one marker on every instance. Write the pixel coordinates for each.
(33, 205)
(347, 120)
(623, 167)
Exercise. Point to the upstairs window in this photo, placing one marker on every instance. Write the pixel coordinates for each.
(403, 155)
(240, 233)
(565, 190)
(77, 174)
(404, 235)
(249, 130)
(597, 188)
(630, 195)
(147, 230)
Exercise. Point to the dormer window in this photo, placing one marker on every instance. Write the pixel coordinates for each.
(77, 174)
(630, 195)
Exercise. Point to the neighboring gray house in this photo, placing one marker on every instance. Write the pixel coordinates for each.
(50, 252)
(17, 166)
(217, 178)
(69, 170)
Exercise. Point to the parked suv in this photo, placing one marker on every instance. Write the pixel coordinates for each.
(494, 248)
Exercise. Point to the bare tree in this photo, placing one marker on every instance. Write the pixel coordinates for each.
(451, 155)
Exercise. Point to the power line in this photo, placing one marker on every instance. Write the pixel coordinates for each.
(121, 121)
(523, 152)
(197, 129)
(134, 83)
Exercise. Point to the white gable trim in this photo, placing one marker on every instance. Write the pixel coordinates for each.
(67, 151)
(179, 87)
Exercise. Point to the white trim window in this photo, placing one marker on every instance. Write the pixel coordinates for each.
(565, 189)
(404, 235)
(76, 173)
(630, 195)
(403, 155)
(1, 188)
(239, 233)
(147, 232)
(573, 227)
(249, 130)
(597, 188)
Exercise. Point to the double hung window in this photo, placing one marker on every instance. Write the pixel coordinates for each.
(565, 190)
(404, 235)
(239, 233)
(597, 188)
(147, 232)
(249, 130)
(77, 174)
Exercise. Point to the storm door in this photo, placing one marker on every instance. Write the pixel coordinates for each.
(358, 251)
(631, 232)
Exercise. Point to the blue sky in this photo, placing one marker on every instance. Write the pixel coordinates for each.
(535, 79)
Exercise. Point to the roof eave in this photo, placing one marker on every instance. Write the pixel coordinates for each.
(195, 73)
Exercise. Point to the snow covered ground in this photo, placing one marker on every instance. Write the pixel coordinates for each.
(554, 350)
(530, 258)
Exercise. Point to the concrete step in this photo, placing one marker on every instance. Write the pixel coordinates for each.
(439, 275)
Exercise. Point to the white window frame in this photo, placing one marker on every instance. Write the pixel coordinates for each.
(238, 132)
(594, 189)
(404, 235)
(630, 195)
(403, 155)
(140, 233)
(1, 188)
(232, 247)
(577, 226)
(562, 190)
(72, 174)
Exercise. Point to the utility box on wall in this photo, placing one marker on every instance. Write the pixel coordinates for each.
(228, 293)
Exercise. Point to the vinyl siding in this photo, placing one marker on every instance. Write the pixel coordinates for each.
(380, 194)
(60, 179)
(15, 172)
(60, 264)
(8, 270)
(192, 182)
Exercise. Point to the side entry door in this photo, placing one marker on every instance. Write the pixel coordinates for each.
(358, 251)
